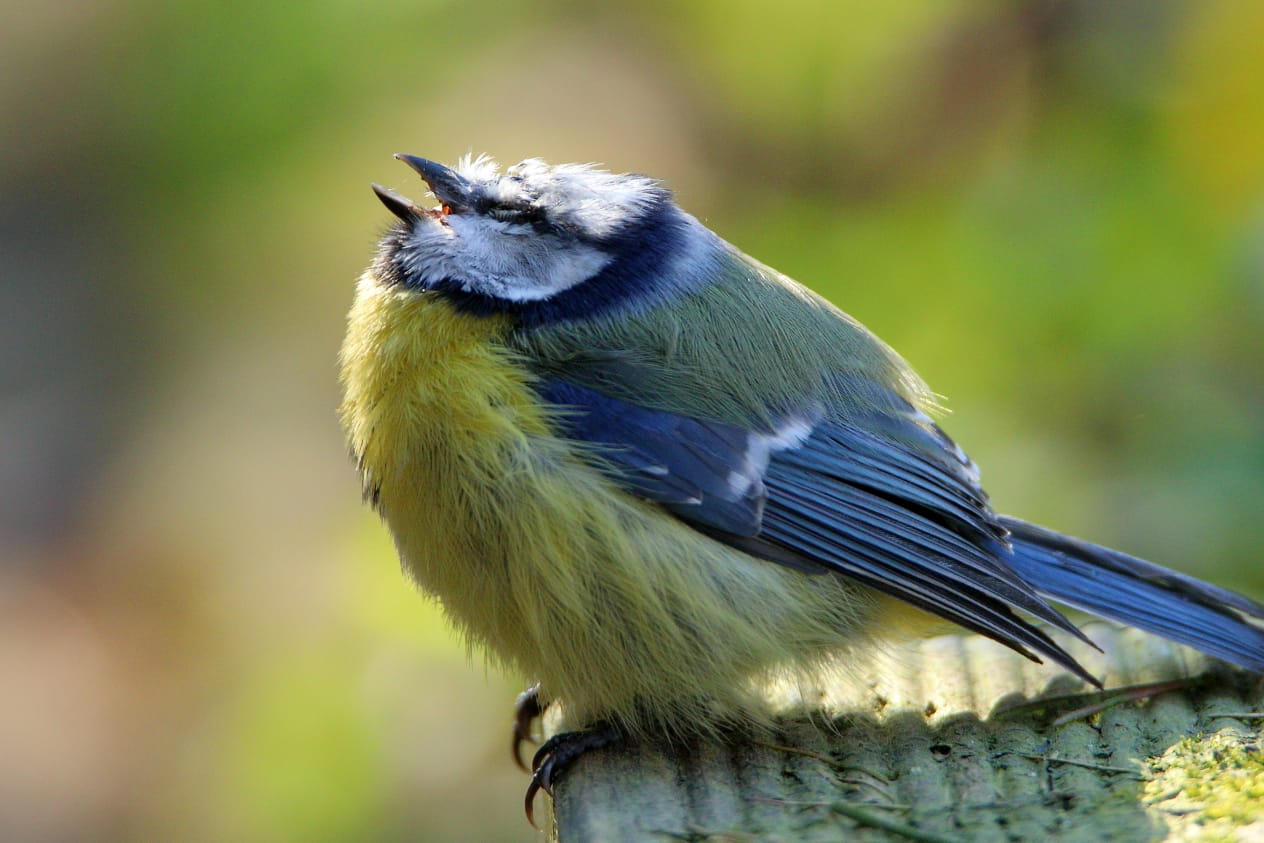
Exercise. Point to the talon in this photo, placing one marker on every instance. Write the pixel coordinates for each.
(545, 778)
(558, 753)
(529, 803)
(527, 709)
(543, 768)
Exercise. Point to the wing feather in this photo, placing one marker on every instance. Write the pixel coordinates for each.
(820, 495)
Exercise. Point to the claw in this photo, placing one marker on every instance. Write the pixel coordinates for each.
(542, 769)
(529, 802)
(558, 753)
(527, 709)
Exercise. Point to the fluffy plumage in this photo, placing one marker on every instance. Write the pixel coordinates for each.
(653, 474)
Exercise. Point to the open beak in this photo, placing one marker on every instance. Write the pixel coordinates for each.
(449, 187)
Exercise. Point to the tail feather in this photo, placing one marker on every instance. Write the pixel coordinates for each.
(1124, 588)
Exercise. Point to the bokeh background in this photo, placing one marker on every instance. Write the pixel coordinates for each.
(1055, 210)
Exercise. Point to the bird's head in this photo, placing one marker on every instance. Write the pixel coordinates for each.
(542, 242)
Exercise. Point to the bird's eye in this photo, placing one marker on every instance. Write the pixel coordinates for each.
(513, 213)
(445, 209)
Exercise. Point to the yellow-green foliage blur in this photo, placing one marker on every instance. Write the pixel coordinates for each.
(1054, 210)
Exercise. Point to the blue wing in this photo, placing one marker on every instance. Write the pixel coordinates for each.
(899, 510)
(685, 464)
(886, 498)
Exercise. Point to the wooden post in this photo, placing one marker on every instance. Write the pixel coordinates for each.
(958, 739)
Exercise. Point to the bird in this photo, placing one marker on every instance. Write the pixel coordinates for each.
(651, 473)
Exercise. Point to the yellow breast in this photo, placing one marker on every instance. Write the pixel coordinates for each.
(435, 409)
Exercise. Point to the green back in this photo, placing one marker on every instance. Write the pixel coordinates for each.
(744, 349)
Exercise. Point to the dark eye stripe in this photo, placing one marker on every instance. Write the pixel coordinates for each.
(511, 213)
(507, 214)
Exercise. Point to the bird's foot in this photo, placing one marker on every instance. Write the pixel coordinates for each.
(559, 752)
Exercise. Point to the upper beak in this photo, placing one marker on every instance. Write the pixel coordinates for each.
(448, 186)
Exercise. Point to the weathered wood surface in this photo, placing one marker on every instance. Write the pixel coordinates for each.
(958, 739)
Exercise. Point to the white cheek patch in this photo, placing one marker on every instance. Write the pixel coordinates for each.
(428, 254)
(562, 270)
(515, 263)
(760, 447)
(499, 259)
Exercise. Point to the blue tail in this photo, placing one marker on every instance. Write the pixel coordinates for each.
(1124, 588)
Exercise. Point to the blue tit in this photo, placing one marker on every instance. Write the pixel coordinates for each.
(651, 473)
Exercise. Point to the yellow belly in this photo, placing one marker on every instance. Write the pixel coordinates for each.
(618, 609)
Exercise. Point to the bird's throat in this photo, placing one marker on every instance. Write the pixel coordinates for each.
(425, 384)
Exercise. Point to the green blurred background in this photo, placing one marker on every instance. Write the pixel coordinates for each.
(1055, 210)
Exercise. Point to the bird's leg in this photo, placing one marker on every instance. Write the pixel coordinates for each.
(527, 709)
(561, 751)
